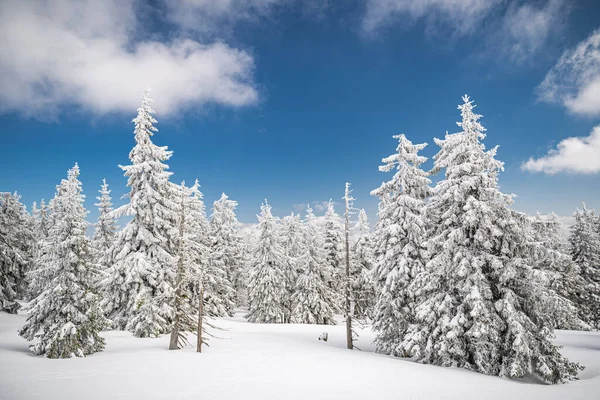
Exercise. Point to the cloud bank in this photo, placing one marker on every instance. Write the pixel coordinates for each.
(574, 81)
(580, 155)
(94, 55)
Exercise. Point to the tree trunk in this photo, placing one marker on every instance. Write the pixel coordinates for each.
(200, 315)
(349, 343)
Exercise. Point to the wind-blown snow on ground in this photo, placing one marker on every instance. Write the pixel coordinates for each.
(261, 361)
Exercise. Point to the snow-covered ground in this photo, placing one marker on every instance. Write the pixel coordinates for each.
(260, 361)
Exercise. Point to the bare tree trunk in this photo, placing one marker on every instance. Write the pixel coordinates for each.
(173, 344)
(349, 343)
(200, 315)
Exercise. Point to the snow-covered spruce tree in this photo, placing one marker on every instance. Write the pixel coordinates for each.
(334, 255)
(105, 228)
(139, 286)
(554, 266)
(40, 273)
(226, 257)
(292, 233)
(362, 262)
(478, 293)
(266, 287)
(402, 237)
(313, 299)
(16, 250)
(584, 242)
(65, 320)
(189, 254)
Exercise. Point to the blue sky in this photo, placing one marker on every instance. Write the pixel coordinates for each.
(287, 100)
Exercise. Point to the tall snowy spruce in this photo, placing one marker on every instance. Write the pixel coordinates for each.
(226, 257)
(267, 275)
(16, 250)
(584, 242)
(402, 240)
(361, 265)
(105, 228)
(313, 300)
(292, 233)
(66, 318)
(334, 254)
(478, 292)
(139, 286)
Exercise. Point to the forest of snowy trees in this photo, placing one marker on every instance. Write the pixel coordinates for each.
(450, 275)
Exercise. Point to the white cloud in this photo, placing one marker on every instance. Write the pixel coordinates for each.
(525, 28)
(299, 207)
(89, 54)
(574, 154)
(517, 30)
(574, 81)
(462, 16)
(208, 16)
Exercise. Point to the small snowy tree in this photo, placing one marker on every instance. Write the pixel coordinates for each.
(362, 261)
(402, 238)
(569, 307)
(105, 229)
(585, 251)
(65, 320)
(478, 293)
(313, 300)
(139, 286)
(293, 244)
(226, 258)
(189, 252)
(334, 254)
(16, 249)
(267, 275)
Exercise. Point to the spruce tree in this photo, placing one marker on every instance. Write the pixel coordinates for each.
(105, 228)
(334, 254)
(402, 237)
(478, 293)
(267, 274)
(292, 233)
(189, 253)
(139, 286)
(39, 273)
(584, 242)
(569, 307)
(65, 319)
(313, 300)
(227, 266)
(362, 262)
(16, 250)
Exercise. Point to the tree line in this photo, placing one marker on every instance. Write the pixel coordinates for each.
(451, 275)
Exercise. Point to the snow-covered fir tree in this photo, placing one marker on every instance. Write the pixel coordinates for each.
(292, 233)
(313, 300)
(105, 228)
(478, 292)
(39, 273)
(16, 250)
(266, 286)
(190, 255)
(584, 243)
(554, 266)
(227, 261)
(139, 286)
(66, 318)
(40, 216)
(362, 262)
(402, 239)
(334, 254)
